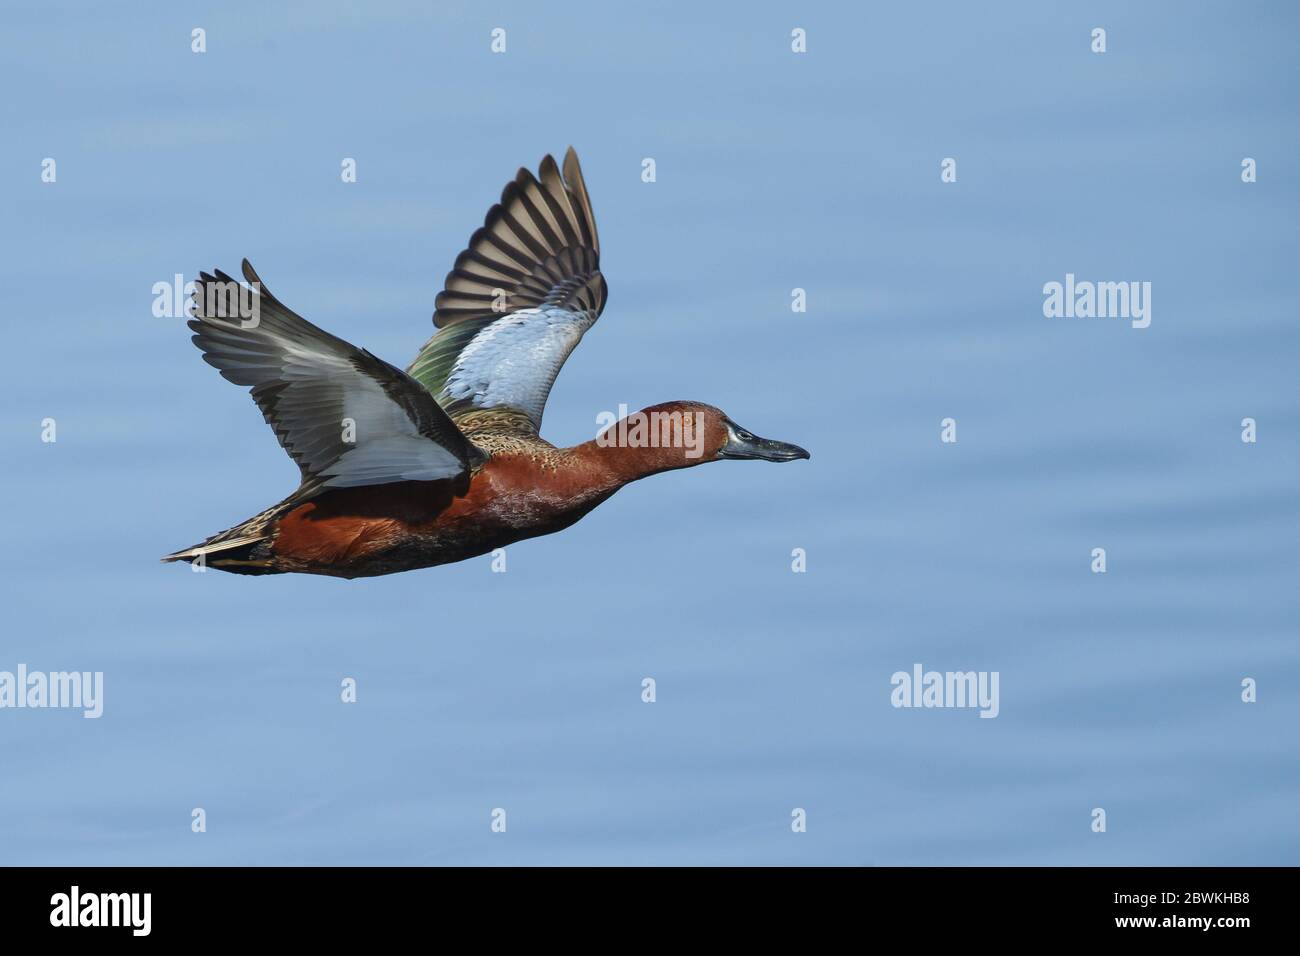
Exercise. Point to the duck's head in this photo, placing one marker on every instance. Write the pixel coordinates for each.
(681, 434)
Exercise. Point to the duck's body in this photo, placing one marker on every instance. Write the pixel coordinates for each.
(444, 462)
(517, 493)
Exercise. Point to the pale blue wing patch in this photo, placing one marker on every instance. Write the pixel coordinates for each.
(386, 445)
(513, 362)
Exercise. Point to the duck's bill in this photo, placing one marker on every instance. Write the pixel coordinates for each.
(743, 445)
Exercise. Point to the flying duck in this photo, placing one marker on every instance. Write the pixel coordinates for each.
(443, 462)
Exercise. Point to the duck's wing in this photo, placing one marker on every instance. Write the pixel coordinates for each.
(517, 302)
(346, 417)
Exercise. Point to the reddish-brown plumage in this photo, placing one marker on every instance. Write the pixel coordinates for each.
(527, 489)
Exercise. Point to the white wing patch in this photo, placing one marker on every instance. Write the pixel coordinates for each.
(514, 360)
(388, 447)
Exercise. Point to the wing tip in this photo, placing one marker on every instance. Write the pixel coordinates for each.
(528, 241)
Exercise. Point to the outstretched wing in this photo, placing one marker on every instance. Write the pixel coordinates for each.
(517, 301)
(346, 417)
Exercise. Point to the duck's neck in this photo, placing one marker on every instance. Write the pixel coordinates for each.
(610, 466)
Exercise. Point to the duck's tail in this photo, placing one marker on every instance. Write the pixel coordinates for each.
(243, 549)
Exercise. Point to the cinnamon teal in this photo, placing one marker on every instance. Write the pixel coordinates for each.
(442, 462)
